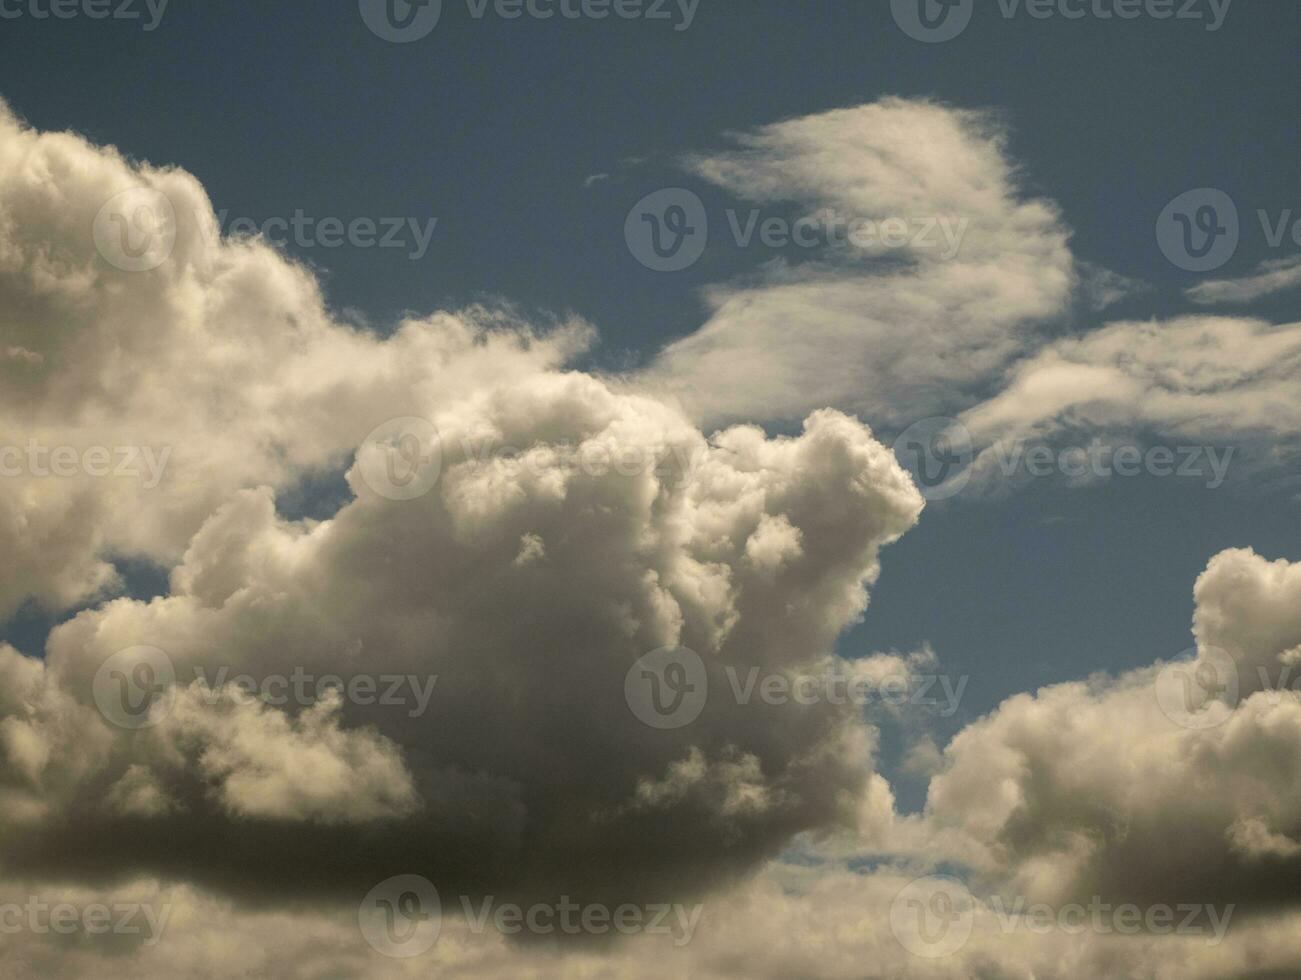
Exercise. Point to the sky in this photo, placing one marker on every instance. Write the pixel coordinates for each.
(540, 179)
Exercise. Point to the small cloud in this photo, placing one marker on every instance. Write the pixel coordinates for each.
(1269, 277)
(594, 179)
(1102, 288)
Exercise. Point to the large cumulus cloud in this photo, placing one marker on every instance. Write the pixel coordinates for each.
(573, 526)
(222, 362)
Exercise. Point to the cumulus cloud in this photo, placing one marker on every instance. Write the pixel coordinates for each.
(1117, 787)
(220, 367)
(571, 525)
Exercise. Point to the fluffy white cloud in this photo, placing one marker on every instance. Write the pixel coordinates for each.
(217, 370)
(1117, 787)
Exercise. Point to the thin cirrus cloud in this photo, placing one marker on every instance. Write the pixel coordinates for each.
(896, 340)
(1274, 276)
(898, 336)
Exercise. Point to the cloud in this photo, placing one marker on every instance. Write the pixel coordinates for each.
(1116, 787)
(221, 367)
(1220, 381)
(1270, 277)
(573, 524)
(889, 333)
